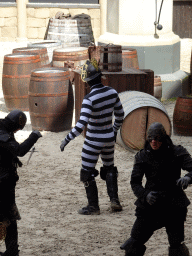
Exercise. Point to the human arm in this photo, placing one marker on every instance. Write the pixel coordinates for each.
(119, 115)
(137, 177)
(86, 111)
(186, 164)
(20, 149)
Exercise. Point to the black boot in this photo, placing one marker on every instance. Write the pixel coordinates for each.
(11, 240)
(92, 195)
(182, 250)
(112, 188)
(133, 248)
(12, 250)
(139, 251)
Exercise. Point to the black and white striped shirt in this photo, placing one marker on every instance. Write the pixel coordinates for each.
(97, 112)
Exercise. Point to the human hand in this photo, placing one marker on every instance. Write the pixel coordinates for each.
(37, 133)
(63, 144)
(183, 182)
(151, 198)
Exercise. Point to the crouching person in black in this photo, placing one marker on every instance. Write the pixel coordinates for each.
(10, 149)
(162, 202)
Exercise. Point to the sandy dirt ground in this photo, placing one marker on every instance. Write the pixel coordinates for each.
(49, 193)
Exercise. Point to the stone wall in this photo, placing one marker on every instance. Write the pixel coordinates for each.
(8, 23)
(37, 21)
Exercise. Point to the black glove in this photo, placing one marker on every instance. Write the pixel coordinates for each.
(151, 197)
(183, 182)
(63, 144)
(37, 133)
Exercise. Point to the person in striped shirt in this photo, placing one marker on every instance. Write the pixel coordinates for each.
(97, 111)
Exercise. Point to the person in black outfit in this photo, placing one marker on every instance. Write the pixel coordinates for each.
(10, 150)
(162, 201)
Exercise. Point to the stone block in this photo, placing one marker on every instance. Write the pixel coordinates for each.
(42, 13)
(8, 12)
(10, 22)
(95, 23)
(2, 22)
(9, 32)
(94, 13)
(36, 23)
(32, 33)
(41, 32)
(78, 11)
(96, 34)
(30, 12)
(53, 11)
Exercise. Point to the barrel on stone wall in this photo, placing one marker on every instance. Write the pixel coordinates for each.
(50, 99)
(182, 116)
(141, 110)
(41, 51)
(72, 56)
(51, 45)
(16, 78)
(129, 58)
(111, 58)
(72, 32)
(157, 87)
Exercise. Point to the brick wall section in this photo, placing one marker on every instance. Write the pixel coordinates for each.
(37, 20)
(8, 23)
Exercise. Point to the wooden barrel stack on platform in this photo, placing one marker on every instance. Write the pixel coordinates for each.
(141, 110)
(182, 116)
(51, 99)
(16, 78)
(72, 58)
(129, 58)
(111, 58)
(72, 32)
(51, 45)
(41, 51)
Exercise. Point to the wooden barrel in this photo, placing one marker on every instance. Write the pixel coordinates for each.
(182, 116)
(71, 32)
(130, 59)
(111, 58)
(157, 87)
(41, 51)
(50, 99)
(51, 45)
(141, 110)
(73, 56)
(16, 78)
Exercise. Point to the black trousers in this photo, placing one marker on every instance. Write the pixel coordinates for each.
(173, 221)
(12, 234)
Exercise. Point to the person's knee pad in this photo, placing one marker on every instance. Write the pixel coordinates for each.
(88, 175)
(108, 170)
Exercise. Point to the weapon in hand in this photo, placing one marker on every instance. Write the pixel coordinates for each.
(32, 151)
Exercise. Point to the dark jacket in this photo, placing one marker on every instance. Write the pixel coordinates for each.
(10, 150)
(162, 168)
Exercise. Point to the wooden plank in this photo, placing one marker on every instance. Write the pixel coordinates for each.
(182, 18)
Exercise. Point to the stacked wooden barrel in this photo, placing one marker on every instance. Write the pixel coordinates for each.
(50, 99)
(16, 78)
(141, 110)
(72, 32)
